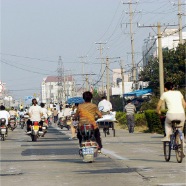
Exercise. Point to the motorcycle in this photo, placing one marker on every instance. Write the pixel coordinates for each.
(12, 123)
(88, 147)
(35, 130)
(44, 126)
(3, 128)
(22, 122)
(63, 122)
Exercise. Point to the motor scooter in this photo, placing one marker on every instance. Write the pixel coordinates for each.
(3, 129)
(44, 125)
(88, 147)
(63, 122)
(35, 130)
(22, 122)
(12, 123)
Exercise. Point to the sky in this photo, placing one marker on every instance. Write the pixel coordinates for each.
(34, 33)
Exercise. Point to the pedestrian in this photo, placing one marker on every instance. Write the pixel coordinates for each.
(55, 112)
(130, 109)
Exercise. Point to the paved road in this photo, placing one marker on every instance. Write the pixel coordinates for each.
(127, 159)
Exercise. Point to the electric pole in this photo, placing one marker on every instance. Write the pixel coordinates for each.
(83, 68)
(122, 77)
(132, 40)
(102, 71)
(60, 80)
(160, 57)
(108, 79)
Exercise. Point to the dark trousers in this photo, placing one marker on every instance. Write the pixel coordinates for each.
(55, 118)
(130, 123)
(96, 135)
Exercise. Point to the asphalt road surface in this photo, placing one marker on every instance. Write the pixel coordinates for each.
(126, 160)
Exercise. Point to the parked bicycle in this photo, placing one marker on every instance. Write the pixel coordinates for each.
(175, 143)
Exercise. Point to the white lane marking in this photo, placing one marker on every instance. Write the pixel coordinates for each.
(112, 153)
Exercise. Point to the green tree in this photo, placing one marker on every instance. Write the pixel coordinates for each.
(174, 69)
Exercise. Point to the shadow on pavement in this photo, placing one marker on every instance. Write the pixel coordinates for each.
(108, 171)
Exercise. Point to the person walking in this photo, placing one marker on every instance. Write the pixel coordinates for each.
(55, 112)
(130, 109)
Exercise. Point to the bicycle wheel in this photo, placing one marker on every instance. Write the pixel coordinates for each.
(167, 150)
(179, 147)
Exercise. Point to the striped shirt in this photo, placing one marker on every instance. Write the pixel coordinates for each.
(130, 109)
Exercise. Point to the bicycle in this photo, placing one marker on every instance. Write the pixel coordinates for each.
(175, 143)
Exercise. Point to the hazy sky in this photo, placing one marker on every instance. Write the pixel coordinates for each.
(34, 33)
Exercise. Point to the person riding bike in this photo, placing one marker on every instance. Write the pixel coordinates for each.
(107, 106)
(176, 104)
(12, 112)
(4, 114)
(86, 113)
(35, 114)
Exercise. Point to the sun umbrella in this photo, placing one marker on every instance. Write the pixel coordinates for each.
(75, 100)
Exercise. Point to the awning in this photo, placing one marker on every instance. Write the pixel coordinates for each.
(138, 92)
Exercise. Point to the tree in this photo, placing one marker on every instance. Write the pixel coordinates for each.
(174, 69)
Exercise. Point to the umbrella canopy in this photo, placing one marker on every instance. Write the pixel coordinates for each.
(75, 100)
(138, 92)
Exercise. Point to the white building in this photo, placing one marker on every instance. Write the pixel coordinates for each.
(56, 91)
(170, 40)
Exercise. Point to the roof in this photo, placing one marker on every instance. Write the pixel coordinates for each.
(55, 79)
(138, 92)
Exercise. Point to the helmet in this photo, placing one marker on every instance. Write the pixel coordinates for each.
(2, 121)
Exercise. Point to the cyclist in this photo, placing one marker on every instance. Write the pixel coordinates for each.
(175, 104)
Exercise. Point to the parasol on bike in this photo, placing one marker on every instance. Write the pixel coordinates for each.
(75, 100)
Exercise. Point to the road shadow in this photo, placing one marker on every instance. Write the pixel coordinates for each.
(108, 171)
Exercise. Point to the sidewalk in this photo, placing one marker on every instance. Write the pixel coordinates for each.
(143, 152)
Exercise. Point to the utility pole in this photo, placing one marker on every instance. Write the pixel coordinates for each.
(122, 77)
(60, 79)
(160, 56)
(134, 78)
(87, 84)
(108, 79)
(102, 62)
(180, 21)
(83, 68)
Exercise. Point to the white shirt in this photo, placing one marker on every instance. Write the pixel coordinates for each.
(173, 100)
(35, 112)
(5, 114)
(66, 111)
(107, 106)
(44, 112)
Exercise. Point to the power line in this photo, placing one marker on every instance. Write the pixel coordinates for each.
(22, 68)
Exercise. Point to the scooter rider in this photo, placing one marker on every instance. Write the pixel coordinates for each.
(35, 114)
(6, 115)
(86, 113)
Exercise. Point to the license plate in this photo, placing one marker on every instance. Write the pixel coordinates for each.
(3, 130)
(36, 127)
(88, 151)
(43, 127)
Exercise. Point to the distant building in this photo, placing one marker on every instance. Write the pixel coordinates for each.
(117, 78)
(55, 91)
(170, 40)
